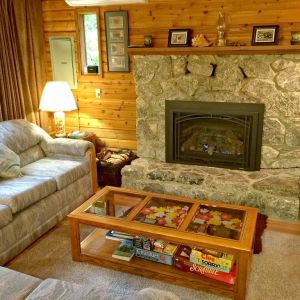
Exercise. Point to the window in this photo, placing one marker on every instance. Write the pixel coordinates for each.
(89, 43)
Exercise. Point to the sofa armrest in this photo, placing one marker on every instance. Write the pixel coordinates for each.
(74, 149)
(92, 154)
(66, 147)
(16, 285)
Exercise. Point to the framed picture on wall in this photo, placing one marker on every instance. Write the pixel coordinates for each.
(265, 35)
(116, 27)
(179, 38)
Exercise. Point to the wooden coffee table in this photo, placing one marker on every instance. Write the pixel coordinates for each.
(126, 210)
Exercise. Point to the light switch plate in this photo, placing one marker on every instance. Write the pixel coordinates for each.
(98, 93)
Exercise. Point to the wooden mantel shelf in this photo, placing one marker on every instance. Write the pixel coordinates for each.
(240, 50)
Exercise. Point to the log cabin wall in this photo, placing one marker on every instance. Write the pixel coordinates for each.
(113, 117)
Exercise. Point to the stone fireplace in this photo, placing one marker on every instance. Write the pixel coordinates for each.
(217, 134)
(272, 81)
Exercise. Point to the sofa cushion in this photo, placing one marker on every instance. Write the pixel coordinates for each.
(5, 215)
(20, 135)
(9, 162)
(19, 193)
(58, 289)
(31, 154)
(63, 171)
(15, 285)
(52, 289)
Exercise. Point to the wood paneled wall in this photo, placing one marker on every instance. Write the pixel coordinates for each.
(113, 117)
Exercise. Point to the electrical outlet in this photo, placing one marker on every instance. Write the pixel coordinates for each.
(98, 93)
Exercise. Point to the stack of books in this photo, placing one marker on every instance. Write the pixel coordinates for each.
(118, 236)
(77, 134)
(125, 251)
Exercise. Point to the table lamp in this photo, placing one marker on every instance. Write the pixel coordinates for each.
(58, 98)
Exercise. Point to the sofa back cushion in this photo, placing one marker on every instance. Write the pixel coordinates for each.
(31, 155)
(24, 139)
(9, 163)
(20, 135)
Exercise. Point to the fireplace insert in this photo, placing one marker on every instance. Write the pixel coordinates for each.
(216, 134)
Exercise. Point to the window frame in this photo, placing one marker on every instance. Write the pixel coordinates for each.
(81, 42)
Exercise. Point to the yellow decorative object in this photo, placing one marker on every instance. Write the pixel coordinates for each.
(160, 209)
(215, 213)
(200, 41)
(171, 215)
(151, 216)
(236, 220)
(214, 222)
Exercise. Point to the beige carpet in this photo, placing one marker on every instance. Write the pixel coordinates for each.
(275, 271)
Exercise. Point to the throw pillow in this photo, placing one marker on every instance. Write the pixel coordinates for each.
(9, 163)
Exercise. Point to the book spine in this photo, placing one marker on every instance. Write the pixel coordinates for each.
(122, 235)
(208, 264)
(121, 257)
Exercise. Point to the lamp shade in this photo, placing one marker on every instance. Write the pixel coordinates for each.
(57, 96)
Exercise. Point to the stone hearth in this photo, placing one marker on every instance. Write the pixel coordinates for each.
(273, 192)
(273, 80)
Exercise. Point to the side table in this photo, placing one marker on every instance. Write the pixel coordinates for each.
(110, 163)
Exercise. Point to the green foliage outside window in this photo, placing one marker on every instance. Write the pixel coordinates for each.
(91, 39)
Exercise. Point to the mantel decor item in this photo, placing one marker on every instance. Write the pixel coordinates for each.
(265, 35)
(295, 38)
(221, 26)
(147, 40)
(179, 38)
(116, 26)
(200, 41)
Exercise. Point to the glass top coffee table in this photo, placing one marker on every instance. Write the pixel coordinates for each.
(182, 221)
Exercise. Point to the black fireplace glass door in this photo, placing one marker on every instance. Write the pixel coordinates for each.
(211, 137)
(214, 135)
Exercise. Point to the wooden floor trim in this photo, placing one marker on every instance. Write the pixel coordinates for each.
(286, 226)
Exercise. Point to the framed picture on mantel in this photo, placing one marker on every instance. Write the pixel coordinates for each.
(116, 27)
(265, 35)
(179, 38)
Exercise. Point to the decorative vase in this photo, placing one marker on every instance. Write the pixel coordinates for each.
(221, 26)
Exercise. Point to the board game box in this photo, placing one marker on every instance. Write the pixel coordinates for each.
(218, 258)
(154, 256)
(182, 262)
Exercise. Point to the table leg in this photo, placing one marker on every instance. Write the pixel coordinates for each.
(75, 239)
(242, 275)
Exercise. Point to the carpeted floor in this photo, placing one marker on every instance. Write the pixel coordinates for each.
(275, 271)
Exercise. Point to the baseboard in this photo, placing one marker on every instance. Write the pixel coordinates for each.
(286, 226)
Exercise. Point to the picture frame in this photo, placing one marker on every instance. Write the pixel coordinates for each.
(295, 38)
(179, 38)
(265, 35)
(116, 27)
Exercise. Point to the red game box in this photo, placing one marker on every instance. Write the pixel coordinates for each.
(182, 262)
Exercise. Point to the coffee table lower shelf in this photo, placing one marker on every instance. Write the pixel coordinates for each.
(95, 248)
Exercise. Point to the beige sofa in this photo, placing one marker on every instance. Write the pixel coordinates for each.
(55, 176)
(15, 285)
